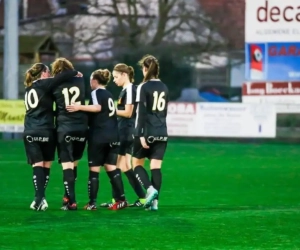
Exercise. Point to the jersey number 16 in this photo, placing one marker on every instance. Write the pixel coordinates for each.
(159, 102)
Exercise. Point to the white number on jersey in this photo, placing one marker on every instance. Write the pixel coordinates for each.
(159, 102)
(111, 107)
(74, 92)
(31, 99)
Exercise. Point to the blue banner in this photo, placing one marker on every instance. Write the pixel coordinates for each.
(272, 61)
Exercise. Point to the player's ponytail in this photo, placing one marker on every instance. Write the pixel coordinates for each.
(123, 68)
(152, 66)
(34, 73)
(131, 74)
(102, 76)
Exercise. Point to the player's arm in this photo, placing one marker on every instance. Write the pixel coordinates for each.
(142, 110)
(52, 82)
(129, 105)
(93, 107)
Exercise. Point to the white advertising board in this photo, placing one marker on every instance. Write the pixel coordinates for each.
(222, 120)
(272, 21)
(285, 95)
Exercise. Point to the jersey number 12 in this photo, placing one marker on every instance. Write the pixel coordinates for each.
(74, 91)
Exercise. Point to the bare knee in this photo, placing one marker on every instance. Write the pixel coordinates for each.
(155, 164)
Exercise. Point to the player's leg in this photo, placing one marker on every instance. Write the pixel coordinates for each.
(35, 159)
(96, 156)
(48, 151)
(65, 154)
(124, 163)
(138, 159)
(115, 177)
(157, 152)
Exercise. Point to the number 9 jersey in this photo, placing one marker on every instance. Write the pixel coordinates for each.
(70, 92)
(103, 124)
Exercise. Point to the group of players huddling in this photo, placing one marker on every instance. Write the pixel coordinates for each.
(117, 138)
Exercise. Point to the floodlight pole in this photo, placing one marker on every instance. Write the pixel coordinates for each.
(11, 52)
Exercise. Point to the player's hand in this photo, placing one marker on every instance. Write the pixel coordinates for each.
(73, 108)
(143, 142)
(79, 74)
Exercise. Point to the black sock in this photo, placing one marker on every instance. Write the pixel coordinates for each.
(114, 190)
(75, 173)
(142, 176)
(156, 179)
(135, 184)
(47, 177)
(38, 182)
(69, 183)
(117, 183)
(93, 186)
(75, 178)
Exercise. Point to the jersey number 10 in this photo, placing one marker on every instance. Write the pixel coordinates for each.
(159, 102)
(75, 92)
(31, 99)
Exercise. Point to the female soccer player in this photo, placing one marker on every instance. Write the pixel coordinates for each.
(103, 139)
(39, 135)
(126, 111)
(151, 129)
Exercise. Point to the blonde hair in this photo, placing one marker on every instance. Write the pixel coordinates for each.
(61, 64)
(34, 73)
(123, 68)
(150, 63)
(102, 76)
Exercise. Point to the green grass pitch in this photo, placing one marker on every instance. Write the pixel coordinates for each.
(214, 196)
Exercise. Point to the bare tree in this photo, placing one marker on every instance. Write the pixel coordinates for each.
(112, 27)
(178, 25)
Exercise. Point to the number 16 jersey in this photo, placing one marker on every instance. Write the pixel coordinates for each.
(103, 124)
(70, 92)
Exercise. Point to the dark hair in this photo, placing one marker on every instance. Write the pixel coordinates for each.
(34, 73)
(152, 65)
(123, 68)
(102, 76)
(61, 64)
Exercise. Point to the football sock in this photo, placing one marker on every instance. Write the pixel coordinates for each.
(69, 183)
(38, 179)
(93, 186)
(142, 176)
(156, 179)
(117, 183)
(113, 187)
(135, 184)
(47, 177)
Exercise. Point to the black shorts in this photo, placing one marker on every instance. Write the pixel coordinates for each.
(102, 153)
(158, 146)
(39, 145)
(126, 147)
(70, 146)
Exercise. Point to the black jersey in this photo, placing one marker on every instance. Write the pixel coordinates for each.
(127, 96)
(67, 93)
(152, 98)
(39, 101)
(104, 124)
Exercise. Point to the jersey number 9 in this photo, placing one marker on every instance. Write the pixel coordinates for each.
(111, 107)
(31, 99)
(74, 92)
(159, 102)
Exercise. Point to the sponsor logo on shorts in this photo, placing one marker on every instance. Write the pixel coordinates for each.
(69, 138)
(112, 144)
(152, 139)
(30, 139)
